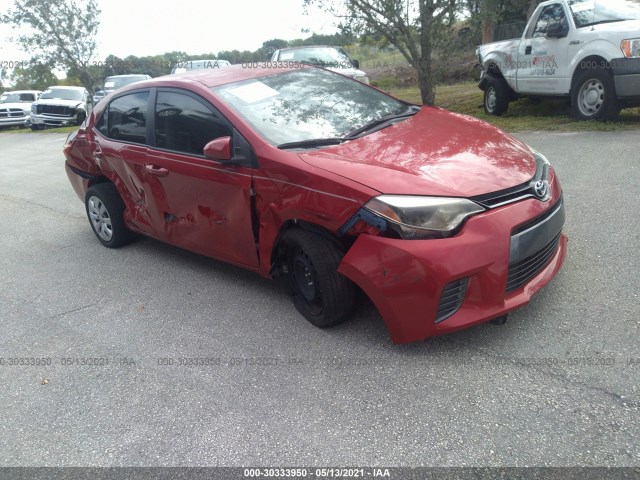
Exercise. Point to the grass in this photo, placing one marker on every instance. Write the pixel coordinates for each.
(523, 114)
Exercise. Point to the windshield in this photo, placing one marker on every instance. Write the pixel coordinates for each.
(322, 56)
(306, 103)
(62, 93)
(10, 98)
(589, 12)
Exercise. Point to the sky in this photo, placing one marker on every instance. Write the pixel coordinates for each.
(147, 27)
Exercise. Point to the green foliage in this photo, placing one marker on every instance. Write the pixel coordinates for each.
(34, 76)
(60, 33)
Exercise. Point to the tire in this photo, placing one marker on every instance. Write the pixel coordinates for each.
(35, 128)
(593, 96)
(105, 211)
(322, 295)
(496, 96)
(80, 118)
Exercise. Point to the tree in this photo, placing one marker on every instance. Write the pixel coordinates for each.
(490, 13)
(36, 76)
(410, 25)
(60, 32)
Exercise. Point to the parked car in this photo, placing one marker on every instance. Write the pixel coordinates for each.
(15, 107)
(97, 96)
(332, 58)
(588, 51)
(189, 65)
(60, 106)
(442, 220)
(118, 81)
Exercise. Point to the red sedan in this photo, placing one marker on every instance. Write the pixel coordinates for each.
(441, 219)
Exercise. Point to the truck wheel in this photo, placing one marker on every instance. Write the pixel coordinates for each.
(105, 211)
(322, 295)
(496, 97)
(594, 97)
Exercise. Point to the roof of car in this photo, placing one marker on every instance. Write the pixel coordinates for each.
(308, 46)
(66, 87)
(129, 75)
(20, 91)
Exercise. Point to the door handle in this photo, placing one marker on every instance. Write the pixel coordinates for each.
(157, 171)
(527, 51)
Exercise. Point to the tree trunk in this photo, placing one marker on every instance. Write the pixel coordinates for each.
(487, 30)
(426, 82)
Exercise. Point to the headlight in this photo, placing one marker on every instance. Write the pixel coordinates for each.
(34, 109)
(415, 217)
(631, 48)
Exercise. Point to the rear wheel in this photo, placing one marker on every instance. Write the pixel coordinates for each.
(593, 96)
(105, 211)
(496, 96)
(322, 295)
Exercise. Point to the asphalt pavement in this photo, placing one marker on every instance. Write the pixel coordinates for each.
(557, 385)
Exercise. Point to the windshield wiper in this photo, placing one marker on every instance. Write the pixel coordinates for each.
(312, 142)
(384, 121)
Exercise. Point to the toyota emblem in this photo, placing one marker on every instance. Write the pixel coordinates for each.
(541, 189)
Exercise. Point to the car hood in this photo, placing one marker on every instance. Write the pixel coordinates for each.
(59, 101)
(435, 152)
(22, 106)
(625, 27)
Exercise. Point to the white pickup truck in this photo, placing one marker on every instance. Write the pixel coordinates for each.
(583, 49)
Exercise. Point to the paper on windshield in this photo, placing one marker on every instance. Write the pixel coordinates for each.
(253, 92)
(582, 6)
(286, 56)
(109, 84)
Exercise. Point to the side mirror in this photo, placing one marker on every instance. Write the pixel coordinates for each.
(356, 64)
(218, 149)
(557, 30)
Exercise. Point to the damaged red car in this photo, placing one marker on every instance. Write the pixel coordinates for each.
(441, 219)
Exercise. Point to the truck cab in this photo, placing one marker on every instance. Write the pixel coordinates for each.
(586, 50)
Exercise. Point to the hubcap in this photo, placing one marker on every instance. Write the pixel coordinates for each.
(491, 99)
(100, 219)
(591, 97)
(306, 282)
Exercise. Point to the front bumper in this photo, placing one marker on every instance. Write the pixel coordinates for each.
(53, 120)
(626, 76)
(12, 120)
(406, 279)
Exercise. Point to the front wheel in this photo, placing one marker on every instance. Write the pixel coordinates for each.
(496, 97)
(593, 96)
(322, 295)
(105, 211)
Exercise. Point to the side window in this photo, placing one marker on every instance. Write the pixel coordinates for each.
(27, 97)
(550, 14)
(186, 125)
(125, 118)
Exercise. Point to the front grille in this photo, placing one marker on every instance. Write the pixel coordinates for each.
(523, 271)
(12, 113)
(56, 110)
(451, 299)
